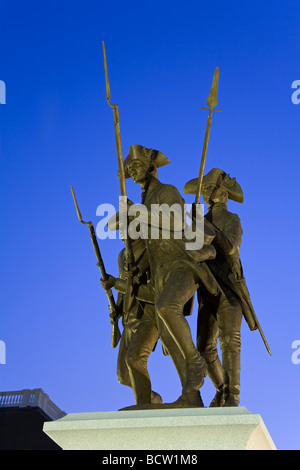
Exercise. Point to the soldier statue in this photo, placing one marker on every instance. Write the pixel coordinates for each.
(220, 316)
(159, 276)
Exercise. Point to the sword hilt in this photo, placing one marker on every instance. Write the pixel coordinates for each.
(210, 109)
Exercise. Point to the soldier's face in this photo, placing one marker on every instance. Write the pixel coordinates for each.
(138, 171)
(207, 193)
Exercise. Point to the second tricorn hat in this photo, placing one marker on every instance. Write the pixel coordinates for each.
(218, 178)
(138, 152)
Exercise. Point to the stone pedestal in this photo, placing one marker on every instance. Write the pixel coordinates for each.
(169, 429)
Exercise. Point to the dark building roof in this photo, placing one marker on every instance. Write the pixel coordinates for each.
(22, 415)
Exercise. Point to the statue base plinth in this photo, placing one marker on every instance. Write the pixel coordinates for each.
(163, 429)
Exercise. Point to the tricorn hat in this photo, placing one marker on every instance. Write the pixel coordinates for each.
(218, 178)
(138, 152)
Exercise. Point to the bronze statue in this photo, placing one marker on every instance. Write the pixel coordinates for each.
(175, 273)
(159, 276)
(220, 316)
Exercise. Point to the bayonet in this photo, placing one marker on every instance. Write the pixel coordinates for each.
(115, 109)
(116, 334)
(128, 297)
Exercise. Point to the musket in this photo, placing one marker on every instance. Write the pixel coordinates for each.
(261, 332)
(128, 297)
(116, 334)
(211, 102)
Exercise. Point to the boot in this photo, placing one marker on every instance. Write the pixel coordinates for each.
(233, 399)
(155, 398)
(216, 374)
(231, 363)
(218, 399)
(188, 400)
(195, 375)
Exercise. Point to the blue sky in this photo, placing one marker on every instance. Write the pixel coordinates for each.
(56, 129)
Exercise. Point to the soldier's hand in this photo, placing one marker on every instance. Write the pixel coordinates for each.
(108, 283)
(116, 314)
(134, 272)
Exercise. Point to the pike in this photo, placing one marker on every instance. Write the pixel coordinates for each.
(211, 102)
(116, 334)
(128, 297)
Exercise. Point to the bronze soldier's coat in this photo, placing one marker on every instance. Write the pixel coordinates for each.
(174, 250)
(227, 266)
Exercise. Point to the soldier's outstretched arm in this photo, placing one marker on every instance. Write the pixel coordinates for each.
(143, 292)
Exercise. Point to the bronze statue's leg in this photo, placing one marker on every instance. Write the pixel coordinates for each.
(129, 330)
(207, 337)
(139, 350)
(229, 320)
(174, 351)
(177, 289)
